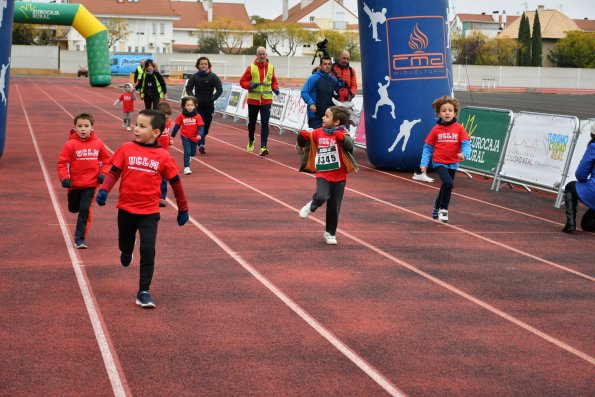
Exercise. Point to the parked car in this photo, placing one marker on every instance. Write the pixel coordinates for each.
(83, 71)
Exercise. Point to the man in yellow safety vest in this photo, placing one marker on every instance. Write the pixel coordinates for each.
(260, 81)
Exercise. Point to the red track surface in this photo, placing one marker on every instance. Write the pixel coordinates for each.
(250, 301)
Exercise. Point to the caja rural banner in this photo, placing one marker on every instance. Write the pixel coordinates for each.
(487, 129)
(538, 148)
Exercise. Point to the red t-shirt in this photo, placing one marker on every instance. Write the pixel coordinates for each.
(142, 170)
(82, 161)
(446, 140)
(189, 126)
(127, 102)
(165, 135)
(329, 163)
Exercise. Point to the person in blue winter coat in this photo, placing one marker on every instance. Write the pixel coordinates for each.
(582, 189)
(318, 92)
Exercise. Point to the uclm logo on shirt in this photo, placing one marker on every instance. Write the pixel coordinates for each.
(87, 153)
(136, 161)
(417, 48)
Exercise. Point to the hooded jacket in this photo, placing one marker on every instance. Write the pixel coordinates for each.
(82, 160)
(246, 80)
(309, 153)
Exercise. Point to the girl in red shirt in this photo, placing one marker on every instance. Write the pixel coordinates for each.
(329, 155)
(127, 98)
(192, 126)
(446, 146)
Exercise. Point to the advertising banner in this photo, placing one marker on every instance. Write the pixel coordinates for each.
(295, 111)
(234, 100)
(487, 129)
(538, 148)
(406, 65)
(221, 102)
(278, 107)
(242, 112)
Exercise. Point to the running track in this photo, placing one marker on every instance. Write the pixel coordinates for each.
(250, 301)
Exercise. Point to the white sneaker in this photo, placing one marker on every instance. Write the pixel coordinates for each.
(187, 171)
(443, 215)
(423, 177)
(129, 129)
(330, 239)
(305, 211)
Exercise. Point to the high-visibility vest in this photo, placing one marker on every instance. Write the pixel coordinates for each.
(142, 88)
(139, 72)
(264, 89)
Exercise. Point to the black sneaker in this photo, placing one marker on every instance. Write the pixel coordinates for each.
(162, 203)
(125, 259)
(202, 150)
(435, 213)
(143, 299)
(79, 243)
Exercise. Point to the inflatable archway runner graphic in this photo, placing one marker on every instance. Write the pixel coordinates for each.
(77, 16)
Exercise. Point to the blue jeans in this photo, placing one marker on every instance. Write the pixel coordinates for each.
(189, 150)
(265, 113)
(163, 188)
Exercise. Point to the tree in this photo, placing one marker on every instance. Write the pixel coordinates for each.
(296, 36)
(208, 45)
(524, 39)
(274, 35)
(352, 45)
(536, 44)
(227, 33)
(23, 33)
(117, 29)
(497, 51)
(466, 50)
(50, 35)
(337, 41)
(575, 50)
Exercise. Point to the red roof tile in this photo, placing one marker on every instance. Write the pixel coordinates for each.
(586, 25)
(476, 18)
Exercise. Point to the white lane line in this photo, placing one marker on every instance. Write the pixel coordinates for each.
(119, 387)
(366, 367)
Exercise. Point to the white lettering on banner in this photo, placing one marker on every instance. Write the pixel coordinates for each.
(477, 156)
(276, 111)
(481, 143)
(557, 145)
(143, 161)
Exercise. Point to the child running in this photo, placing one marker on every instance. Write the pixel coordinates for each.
(328, 151)
(141, 164)
(127, 98)
(81, 167)
(446, 146)
(165, 141)
(192, 129)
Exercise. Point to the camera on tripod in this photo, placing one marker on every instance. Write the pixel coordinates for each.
(321, 47)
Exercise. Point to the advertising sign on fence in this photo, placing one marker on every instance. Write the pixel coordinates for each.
(295, 112)
(487, 129)
(356, 114)
(278, 107)
(243, 106)
(234, 100)
(221, 102)
(538, 148)
(360, 135)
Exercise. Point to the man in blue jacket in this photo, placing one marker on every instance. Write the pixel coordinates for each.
(318, 92)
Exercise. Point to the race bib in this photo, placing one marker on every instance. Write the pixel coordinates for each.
(327, 158)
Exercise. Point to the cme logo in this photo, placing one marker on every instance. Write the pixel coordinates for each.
(416, 48)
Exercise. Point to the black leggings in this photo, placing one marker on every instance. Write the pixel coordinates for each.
(588, 220)
(146, 224)
(80, 200)
(447, 175)
(151, 101)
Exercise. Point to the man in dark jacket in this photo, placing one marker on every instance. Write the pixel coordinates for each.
(318, 92)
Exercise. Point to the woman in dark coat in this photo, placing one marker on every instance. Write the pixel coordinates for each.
(201, 86)
(151, 86)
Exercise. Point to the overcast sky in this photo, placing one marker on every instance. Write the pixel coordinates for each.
(573, 8)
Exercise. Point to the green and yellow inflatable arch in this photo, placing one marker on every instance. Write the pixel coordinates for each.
(77, 16)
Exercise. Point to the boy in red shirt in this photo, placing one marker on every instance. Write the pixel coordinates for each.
(192, 129)
(141, 164)
(329, 155)
(81, 167)
(127, 98)
(165, 141)
(446, 145)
